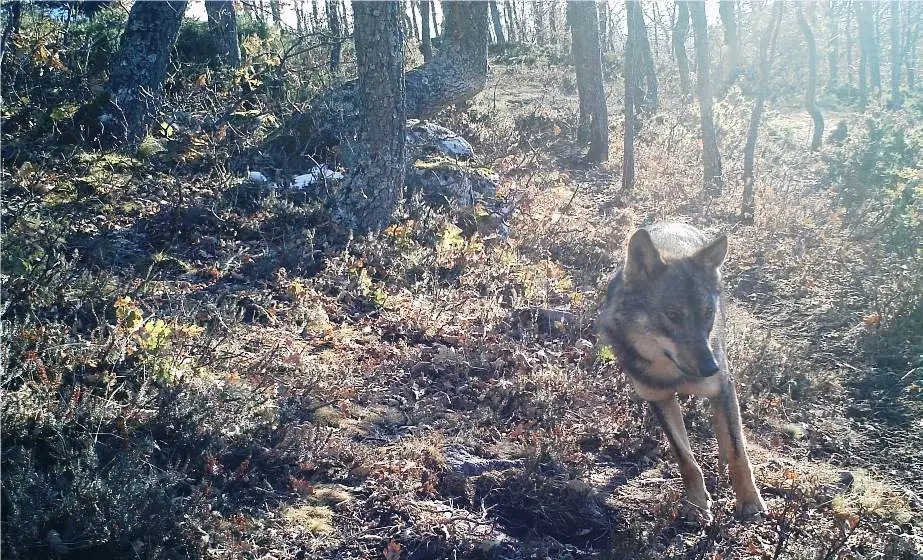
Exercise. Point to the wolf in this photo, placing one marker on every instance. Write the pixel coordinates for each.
(664, 318)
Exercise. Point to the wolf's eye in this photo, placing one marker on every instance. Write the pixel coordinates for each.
(673, 315)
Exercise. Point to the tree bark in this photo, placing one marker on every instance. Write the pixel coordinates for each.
(895, 101)
(603, 26)
(413, 18)
(726, 9)
(583, 20)
(456, 72)
(680, 32)
(432, 12)
(123, 113)
(368, 199)
(498, 25)
(223, 21)
(333, 25)
(874, 46)
(767, 48)
(913, 39)
(866, 30)
(810, 95)
(426, 43)
(644, 70)
(538, 8)
(631, 89)
(711, 157)
(14, 20)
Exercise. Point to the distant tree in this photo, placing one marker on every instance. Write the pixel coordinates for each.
(457, 71)
(727, 11)
(538, 21)
(370, 196)
(767, 49)
(498, 24)
(912, 22)
(680, 32)
(413, 19)
(866, 38)
(810, 95)
(711, 157)
(510, 21)
(874, 46)
(426, 43)
(642, 59)
(223, 22)
(583, 21)
(896, 52)
(336, 32)
(275, 8)
(122, 114)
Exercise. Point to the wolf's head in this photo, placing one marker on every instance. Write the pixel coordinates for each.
(667, 304)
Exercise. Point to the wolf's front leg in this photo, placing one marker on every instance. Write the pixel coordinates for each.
(671, 417)
(731, 442)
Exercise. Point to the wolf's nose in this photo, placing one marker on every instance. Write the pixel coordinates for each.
(708, 368)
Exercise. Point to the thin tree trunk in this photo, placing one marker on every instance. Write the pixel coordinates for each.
(413, 18)
(276, 10)
(864, 24)
(810, 95)
(726, 9)
(910, 50)
(895, 55)
(368, 200)
(498, 25)
(680, 32)
(584, 24)
(13, 22)
(223, 21)
(767, 48)
(552, 21)
(631, 87)
(538, 21)
(315, 14)
(136, 76)
(333, 24)
(426, 43)
(874, 45)
(849, 48)
(832, 47)
(711, 157)
(641, 60)
(510, 20)
(433, 12)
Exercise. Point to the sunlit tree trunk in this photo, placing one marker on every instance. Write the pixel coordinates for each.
(680, 32)
(810, 95)
(711, 157)
(767, 48)
(369, 198)
(583, 21)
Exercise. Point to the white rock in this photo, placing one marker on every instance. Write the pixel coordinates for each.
(257, 177)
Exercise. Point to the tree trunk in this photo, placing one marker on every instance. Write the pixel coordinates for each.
(498, 25)
(863, 18)
(370, 196)
(680, 32)
(510, 21)
(711, 157)
(122, 114)
(910, 50)
(584, 24)
(849, 48)
(456, 72)
(426, 43)
(276, 10)
(603, 26)
(413, 18)
(832, 47)
(538, 21)
(14, 20)
(895, 101)
(645, 73)
(726, 9)
(767, 48)
(223, 22)
(432, 11)
(874, 42)
(631, 89)
(552, 21)
(315, 14)
(333, 25)
(810, 95)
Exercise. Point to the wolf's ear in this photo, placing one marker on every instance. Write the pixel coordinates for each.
(712, 255)
(643, 261)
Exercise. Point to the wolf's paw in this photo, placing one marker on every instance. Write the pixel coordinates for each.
(751, 509)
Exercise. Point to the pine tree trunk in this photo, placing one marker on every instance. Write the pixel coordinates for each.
(426, 43)
(726, 9)
(584, 24)
(810, 95)
(333, 25)
(895, 101)
(711, 157)
(680, 32)
(122, 114)
(498, 25)
(368, 200)
(456, 72)
(767, 47)
(223, 21)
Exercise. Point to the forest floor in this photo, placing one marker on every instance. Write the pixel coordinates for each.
(202, 370)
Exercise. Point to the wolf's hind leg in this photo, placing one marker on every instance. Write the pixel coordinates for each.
(731, 442)
(671, 417)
